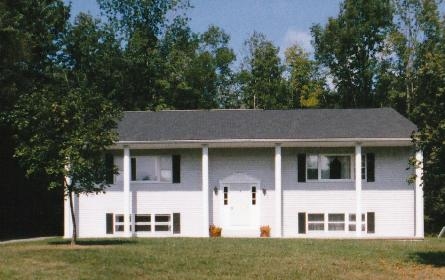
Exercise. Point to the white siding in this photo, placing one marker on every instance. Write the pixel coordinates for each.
(149, 198)
(390, 196)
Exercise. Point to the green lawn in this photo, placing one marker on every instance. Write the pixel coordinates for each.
(223, 258)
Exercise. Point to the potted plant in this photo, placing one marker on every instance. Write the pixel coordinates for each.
(215, 231)
(265, 231)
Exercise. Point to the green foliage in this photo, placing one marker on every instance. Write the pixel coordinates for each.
(307, 89)
(261, 78)
(61, 127)
(349, 46)
(428, 113)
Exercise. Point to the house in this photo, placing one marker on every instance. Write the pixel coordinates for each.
(317, 173)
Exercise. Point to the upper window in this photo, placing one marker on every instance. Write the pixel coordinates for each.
(328, 167)
(151, 168)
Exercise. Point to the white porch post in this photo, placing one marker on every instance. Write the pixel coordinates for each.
(127, 191)
(205, 191)
(418, 192)
(278, 193)
(358, 189)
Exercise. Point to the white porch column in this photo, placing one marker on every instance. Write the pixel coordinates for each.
(418, 192)
(205, 191)
(277, 231)
(126, 194)
(358, 189)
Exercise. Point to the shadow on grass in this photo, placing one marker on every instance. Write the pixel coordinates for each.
(432, 258)
(94, 242)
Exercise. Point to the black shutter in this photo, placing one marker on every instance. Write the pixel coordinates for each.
(176, 169)
(109, 168)
(110, 225)
(370, 167)
(133, 169)
(176, 223)
(301, 222)
(371, 222)
(301, 167)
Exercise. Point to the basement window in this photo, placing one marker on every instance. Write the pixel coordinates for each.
(336, 222)
(162, 222)
(315, 222)
(143, 222)
(353, 222)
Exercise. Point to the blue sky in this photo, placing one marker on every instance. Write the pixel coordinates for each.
(282, 21)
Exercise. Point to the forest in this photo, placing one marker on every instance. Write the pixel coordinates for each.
(65, 79)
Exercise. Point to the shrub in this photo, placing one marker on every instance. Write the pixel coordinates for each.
(265, 231)
(215, 231)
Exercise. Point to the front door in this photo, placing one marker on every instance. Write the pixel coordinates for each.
(240, 208)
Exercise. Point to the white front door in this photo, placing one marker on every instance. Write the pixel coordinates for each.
(240, 207)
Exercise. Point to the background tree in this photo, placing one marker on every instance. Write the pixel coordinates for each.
(306, 87)
(29, 36)
(261, 76)
(349, 47)
(428, 112)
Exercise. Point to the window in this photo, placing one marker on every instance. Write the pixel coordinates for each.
(315, 222)
(162, 222)
(226, 195)
(328, 167)
(253, 195)
(118, 222)
(336, 222)
(143, 222)
(353, 222)
(312, 167)
(151, 168)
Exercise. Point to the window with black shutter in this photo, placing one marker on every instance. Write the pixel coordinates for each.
(176, 223)
(370, 167)
(371, 222)
(176, 169)
(133, 169)
(301, 167)
(302, 222)
(109, 223)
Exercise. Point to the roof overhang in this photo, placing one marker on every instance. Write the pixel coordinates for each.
(258, 143)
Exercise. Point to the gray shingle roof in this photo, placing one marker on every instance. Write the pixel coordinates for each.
(264, 124)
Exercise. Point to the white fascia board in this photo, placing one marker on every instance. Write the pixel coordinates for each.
(222, 143)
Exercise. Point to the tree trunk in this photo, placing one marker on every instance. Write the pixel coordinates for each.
(73, 218)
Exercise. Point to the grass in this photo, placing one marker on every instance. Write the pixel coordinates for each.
(223, 258)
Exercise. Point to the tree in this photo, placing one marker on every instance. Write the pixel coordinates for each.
(261, 77)
(30, 33)
(349, 46)
(62, 133)
(306, 87)
(428, 112)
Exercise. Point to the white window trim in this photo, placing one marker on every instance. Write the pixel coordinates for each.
(351, 156)
(158, 170)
